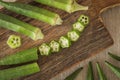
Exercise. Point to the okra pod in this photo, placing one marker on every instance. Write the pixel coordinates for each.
(16, 25)
(90, 75)
(66, 5)
(20, 57)
(21, 71)
(100, 72)
(84, 20)
(33, 12)
(114, 69)
(74, 74)
(114, 56)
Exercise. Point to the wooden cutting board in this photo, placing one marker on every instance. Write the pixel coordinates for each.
(94, 39)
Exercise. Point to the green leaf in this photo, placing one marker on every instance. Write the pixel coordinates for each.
(90, 75)
(114, 69)
(74, 74)
(100, 72)
(114, 56)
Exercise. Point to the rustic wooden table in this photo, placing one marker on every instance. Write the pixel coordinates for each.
(112, 21)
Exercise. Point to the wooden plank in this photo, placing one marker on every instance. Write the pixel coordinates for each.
(94, 39)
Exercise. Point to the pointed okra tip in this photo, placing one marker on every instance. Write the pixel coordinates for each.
(108, 63)
(58, 21)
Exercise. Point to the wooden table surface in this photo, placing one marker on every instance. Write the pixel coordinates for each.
(112, 22)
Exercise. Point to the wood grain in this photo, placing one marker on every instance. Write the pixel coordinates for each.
(94, 39)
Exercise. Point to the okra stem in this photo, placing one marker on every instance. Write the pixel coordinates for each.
(33, 12)
(66, 5)
(16, 25)
(20, 57)
(20, 71)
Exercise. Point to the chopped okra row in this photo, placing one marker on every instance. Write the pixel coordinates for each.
(84, 20)
(64, 42)
(45, 49)
(78, 26)
(14, 41)
(73, 35)
(55, 46)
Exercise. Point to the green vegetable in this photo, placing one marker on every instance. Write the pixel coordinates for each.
(25, 70)
(20, 57)
(84, 20)
(78, 26)
(45, 49)
(100, 72)
(90, 75)
(33, 12)
(66, 5)
(73, 35)
(55, 46)
(115, 69)
(114, 56)
(14, 41)
(64, 42)
(21, 27)
(74, 74)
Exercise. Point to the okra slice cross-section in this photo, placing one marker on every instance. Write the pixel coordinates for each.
(78, 26)
(33, 12)
(64, 42)
(84, 20)
(14, 41)
(55, 46)
(16, 25)
(73, 35)
(45, 49)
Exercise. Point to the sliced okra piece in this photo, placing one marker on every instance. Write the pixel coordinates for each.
(55, 46)
(73, 35)
(64, 42)
(78, 26)
(14, 41)
(84, 20)
(45, 49)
